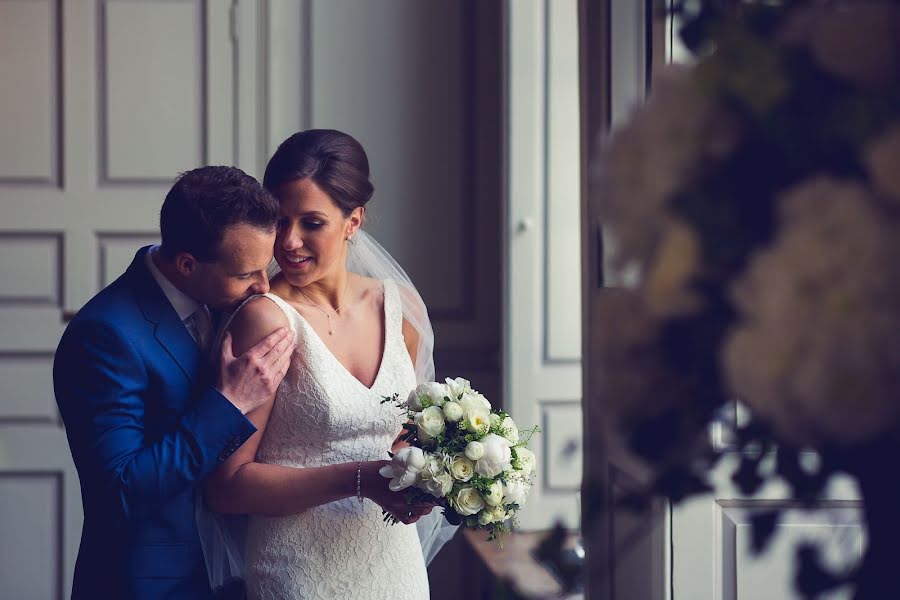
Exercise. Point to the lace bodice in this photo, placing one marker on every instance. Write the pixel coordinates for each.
(323, 415)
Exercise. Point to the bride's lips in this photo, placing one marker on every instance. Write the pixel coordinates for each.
(295, 263)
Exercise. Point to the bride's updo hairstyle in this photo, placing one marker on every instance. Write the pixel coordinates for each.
(331, 159)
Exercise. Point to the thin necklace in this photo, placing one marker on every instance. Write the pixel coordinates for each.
(337, 310)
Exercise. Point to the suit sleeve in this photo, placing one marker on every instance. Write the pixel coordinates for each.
(101, 386)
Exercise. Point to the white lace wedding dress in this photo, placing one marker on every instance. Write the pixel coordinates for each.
(324, 415)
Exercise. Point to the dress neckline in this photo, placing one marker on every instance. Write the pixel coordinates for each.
(384, 349)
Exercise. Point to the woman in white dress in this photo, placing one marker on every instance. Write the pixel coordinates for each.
(309, 477)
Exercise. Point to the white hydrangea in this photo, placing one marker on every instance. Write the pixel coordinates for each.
(665, 286)
(675, 132)
(855, 41)
(818, 349)
(882, 158)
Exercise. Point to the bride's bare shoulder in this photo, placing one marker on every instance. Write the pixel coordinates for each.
(368, 288)
(257, 318)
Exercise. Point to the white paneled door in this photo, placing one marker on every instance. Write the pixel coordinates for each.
(711, 537)
(102, 103)
(542, 338)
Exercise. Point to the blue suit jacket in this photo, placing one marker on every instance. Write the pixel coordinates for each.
(144, 427)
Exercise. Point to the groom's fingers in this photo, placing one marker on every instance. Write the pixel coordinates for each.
(279, 350)
(283, 364)
(263, 348)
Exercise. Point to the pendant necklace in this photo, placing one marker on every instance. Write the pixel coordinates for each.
(337, 311)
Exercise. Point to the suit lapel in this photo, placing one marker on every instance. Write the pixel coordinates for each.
(168, 329)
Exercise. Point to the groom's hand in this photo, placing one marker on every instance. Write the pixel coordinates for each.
(248, 381)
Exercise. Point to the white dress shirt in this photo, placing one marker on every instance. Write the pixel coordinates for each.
(195, 316)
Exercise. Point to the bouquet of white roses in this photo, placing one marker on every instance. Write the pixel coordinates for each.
(462, 455)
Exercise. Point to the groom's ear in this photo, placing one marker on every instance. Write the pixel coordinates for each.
(185, 263)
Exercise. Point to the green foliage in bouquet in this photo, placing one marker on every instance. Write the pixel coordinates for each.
(755, 200)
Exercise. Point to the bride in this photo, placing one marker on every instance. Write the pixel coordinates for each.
(309, 477)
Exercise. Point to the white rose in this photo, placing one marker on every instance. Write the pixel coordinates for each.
(453, 412)
(430, 423)
(497, 456)
(461, 467)
(440, 485)
(457, 387)
(495, 420)
(468, 501)
(477, 420)
(474, 450)
(471, 400)
(494, 494)
(491, 514)
(515, 490)
(524, 461)
(404, 469)
(510, 429)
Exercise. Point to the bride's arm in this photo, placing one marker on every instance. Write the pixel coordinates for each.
(241, 485)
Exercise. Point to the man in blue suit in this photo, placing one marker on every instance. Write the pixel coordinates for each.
(147, 418)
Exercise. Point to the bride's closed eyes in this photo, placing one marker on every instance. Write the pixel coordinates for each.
(311, 224)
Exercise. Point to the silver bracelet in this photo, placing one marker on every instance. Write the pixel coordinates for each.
(359, 495)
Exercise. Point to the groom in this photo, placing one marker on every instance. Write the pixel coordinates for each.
(145, 418)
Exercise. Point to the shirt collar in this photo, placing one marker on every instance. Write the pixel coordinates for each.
(183, 304)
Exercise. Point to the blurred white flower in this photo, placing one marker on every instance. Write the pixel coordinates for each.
(677, 131)
(818, 350)
(666, 284)
(855, 41)
(882, 159)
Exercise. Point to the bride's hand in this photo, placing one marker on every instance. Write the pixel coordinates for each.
(375, 487)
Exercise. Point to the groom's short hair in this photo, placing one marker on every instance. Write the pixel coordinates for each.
(204, 202)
